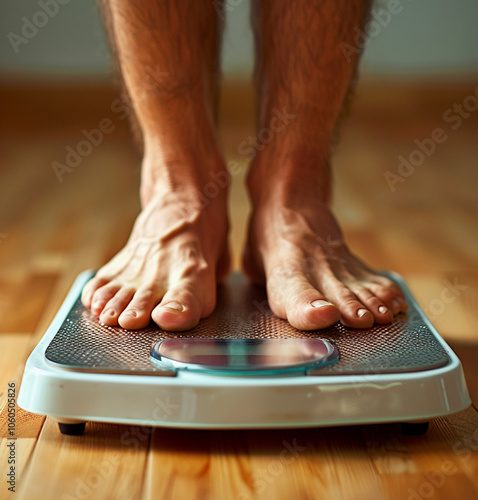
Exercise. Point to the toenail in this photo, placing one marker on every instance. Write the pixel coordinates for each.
(361, 313)
(382, 310)
(130, 312)
(98, 304)
(173, 305)
(109, 312)
(320, 303)
(395, 303)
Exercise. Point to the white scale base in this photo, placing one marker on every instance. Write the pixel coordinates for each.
(182, 398)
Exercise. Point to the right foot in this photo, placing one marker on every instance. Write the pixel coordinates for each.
(169, 268)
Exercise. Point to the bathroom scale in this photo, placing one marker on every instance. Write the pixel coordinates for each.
(242, 368)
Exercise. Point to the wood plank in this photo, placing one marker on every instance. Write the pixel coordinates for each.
(447, 299)
(28, 297)
(312, 463)
(106, 463)
(178, 465)
(19, 450)
(437, 465)
(13, 354)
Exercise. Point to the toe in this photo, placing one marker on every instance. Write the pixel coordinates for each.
(102, 296)
(293, 297)
(180, 309)
(389, 293)
(115, 306)
(90, 288)
(353, 313)
(381, 313)
(137, 313)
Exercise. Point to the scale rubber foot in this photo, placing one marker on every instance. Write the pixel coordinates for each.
(415, 428)
(76, 429)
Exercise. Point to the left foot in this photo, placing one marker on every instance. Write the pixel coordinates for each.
(296, 246)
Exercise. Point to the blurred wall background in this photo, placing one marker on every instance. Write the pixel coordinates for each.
(46, 39)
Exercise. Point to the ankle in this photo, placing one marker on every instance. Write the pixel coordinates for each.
(287, 176)
(203, 182)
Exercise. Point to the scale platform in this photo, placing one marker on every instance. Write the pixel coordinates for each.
(240, 368)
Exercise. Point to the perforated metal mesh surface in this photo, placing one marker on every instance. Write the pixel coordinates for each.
(405, 345)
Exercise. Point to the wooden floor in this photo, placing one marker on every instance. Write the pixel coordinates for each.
(425, 228)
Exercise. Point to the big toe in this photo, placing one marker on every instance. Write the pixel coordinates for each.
(183, 306)
(294, 298)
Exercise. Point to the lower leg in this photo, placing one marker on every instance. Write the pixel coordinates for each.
(295, 244)
(167, 53)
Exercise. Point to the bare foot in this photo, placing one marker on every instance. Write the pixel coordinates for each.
(168, 56)
(169, 268)
(296, 246)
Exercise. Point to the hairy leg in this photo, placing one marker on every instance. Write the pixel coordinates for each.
(168, 270)
(295, 243)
